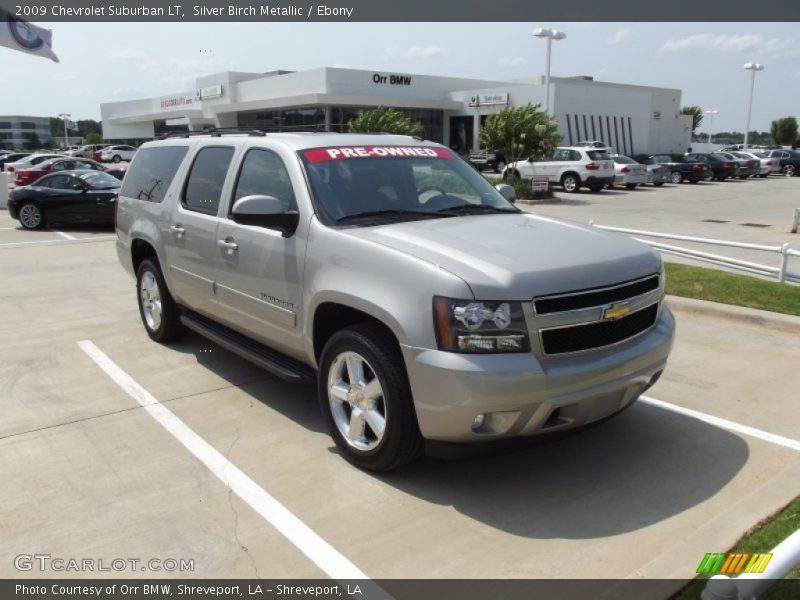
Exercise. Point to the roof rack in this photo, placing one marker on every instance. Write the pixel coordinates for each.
(214, 132)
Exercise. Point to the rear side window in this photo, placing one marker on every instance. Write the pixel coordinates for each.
(152, 172)
(204, 186)
(598, 155)
(264, 173)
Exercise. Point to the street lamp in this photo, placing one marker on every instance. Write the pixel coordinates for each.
(711, 113)
(64, 117)
(550, 35)
(752, 67)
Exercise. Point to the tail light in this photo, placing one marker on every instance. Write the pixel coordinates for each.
(624, 170)
(728, 165)
(696, 168)
(592, 166)
(10, 169)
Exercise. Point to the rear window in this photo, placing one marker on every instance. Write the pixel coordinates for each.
(152, 172)
(598, 154)
(623, 160)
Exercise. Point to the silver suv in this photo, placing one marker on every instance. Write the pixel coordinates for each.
(428, 309)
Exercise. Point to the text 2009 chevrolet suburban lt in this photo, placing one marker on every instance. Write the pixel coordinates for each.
(427, 307)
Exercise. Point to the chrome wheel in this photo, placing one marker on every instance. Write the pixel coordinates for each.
(676, 177)
(570, 183)
(30, 216)
(150, 297)
(500, 166)
(356, 401)
(789, 170)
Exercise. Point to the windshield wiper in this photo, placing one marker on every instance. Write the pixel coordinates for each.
(391, 212)
(465, 209)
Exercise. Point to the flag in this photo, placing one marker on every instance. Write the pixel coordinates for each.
(70, 124)
(25, 37)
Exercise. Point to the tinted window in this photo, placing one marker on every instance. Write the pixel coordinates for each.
(623, 160)
(598, 155)
(204, 187)
(574, 155)
(152, 172)
(263, 173)
(99, 180)
(662, 158)
(57, 182)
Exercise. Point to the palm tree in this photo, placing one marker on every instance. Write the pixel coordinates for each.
(697, 115)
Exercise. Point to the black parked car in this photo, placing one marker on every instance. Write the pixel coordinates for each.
(721, 168)
(481, 159)
(789, 161)
(747, 166)
(118, 172)
(680, 167)
(12, 157)
(67, 196)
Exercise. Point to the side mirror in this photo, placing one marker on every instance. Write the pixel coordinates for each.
(79, 187)
(507, 192)
(265, 211)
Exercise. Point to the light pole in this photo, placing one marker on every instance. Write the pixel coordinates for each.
(752, 67)
(711, 113)
(550, 35)
(64, 117)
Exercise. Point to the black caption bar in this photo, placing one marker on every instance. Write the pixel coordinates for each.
(398, 589)
(407, 10)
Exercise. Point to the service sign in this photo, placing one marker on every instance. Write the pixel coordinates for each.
(317, 155)
(539, 184)
(488, 99)
(209, 92)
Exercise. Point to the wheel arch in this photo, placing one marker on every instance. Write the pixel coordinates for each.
(331, 316)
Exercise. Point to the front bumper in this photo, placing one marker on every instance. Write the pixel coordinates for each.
(522, 395)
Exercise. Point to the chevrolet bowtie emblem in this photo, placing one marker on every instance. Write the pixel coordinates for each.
(616, 311)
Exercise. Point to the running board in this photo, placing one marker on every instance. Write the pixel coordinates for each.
(268, 359)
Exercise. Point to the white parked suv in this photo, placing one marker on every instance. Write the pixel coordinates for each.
(117, 153)
(570, 167)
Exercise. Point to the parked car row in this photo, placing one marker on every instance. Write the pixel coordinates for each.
(587, 164)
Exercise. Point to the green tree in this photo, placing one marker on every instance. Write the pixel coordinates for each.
(784, 131)
(93, 138)
(519, 132)
(384, 120)
(696, 113)
(33, 143)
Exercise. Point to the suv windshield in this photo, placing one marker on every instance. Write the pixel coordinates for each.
(397, 182)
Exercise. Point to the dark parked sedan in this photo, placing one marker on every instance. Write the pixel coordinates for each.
(68, 196)
(721, 168)
(680, 167)
(789, 161)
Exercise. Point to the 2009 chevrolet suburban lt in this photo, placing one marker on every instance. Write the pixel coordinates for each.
(428, 309)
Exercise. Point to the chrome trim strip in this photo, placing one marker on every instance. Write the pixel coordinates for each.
(595, 291)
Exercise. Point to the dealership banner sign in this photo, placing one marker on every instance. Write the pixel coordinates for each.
(25, 37)
(783, 11)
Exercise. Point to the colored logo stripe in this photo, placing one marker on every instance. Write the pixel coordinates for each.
(733, 564)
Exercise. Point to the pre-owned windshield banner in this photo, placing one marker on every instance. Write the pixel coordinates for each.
(316, 155)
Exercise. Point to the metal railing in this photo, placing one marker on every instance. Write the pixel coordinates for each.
(781, 272)
(795, 220)
(751, 585)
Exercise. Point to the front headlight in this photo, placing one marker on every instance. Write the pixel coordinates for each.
(471, 326)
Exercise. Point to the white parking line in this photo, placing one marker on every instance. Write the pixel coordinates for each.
(325, 556)
(725, 423)
(64, 235)
(98, 238)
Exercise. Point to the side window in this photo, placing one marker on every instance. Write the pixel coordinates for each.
(204, 186)
(58, 182)
(560, 154)
(152, 172)
(264, 173)
(62, 166)
(574, 156)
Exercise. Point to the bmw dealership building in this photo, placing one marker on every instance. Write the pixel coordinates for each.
(631, 119)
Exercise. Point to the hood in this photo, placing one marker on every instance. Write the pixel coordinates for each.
(519, 256)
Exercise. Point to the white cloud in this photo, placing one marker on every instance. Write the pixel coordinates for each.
(513, 62)
(128, 54)
(621, 36)
(746, 43)
(429, 51)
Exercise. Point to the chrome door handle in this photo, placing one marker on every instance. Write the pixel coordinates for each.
(177, 229)
(229, 245)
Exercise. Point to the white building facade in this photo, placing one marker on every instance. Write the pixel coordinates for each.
(16, 131)
(631, 119)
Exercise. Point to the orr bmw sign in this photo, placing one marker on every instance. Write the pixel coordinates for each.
(381, 79)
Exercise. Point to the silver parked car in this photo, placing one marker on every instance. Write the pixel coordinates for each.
(628, 172)
(427, 308)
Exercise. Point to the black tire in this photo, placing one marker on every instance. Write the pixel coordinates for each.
(31, 216)
(499, 166)
(789, 171)
(695, 181)
(764, 176)
(658, 183)
(630, 186)
(676, 177)
(402, 441)
(596, 189)
(511, 175)
(170, 327)
(570, 182)
(721, 178)
(117, 158)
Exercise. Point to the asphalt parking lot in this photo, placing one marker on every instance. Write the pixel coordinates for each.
(645, 495)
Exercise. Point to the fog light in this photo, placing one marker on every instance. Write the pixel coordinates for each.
(477, 422)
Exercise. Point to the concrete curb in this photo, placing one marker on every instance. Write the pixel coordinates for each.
(750, 316)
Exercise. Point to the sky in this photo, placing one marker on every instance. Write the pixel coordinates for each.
(103, 62)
